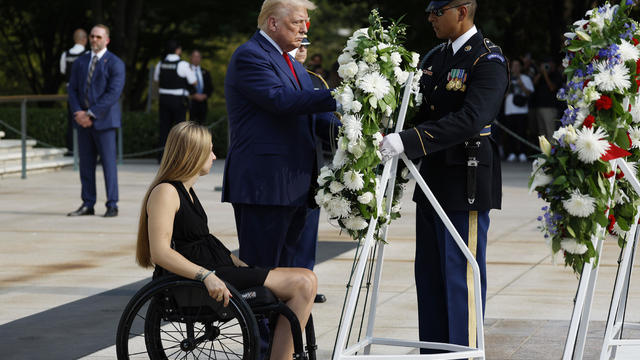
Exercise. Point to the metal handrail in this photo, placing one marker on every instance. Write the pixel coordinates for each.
(23, 99)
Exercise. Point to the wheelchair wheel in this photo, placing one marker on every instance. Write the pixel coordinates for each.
(175, 318)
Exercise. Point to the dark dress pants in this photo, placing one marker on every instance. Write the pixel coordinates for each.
(173, 109)
(198, 111)
(444, 279)
(91, 143)
(69, 133)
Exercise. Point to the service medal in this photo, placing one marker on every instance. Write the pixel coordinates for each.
(458, 85)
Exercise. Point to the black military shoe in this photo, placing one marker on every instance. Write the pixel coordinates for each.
(82, 210)
(111, 212)
(320, 298)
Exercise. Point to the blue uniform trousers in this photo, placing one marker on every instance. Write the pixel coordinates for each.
(91, 143)
(444, 279)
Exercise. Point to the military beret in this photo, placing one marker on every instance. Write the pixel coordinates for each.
(435, 5)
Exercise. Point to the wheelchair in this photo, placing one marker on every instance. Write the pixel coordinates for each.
(175, 318)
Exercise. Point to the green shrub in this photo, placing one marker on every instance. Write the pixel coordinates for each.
(139, 129)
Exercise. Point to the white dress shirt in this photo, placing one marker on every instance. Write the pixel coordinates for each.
(75, 50)
(183, 69)
(462, 39)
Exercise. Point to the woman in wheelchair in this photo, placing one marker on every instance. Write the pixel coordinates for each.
(173, 236)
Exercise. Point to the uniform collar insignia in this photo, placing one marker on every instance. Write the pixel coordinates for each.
(467, 48)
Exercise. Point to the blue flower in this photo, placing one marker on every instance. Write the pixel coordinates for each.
(539, 218)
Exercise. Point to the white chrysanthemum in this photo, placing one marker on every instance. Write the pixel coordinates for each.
(370, 55)
(356, 106)
(635, 109)
(340, 158)
(396, 208)
(615, 78)
(355, 223)
(352, 127)
(580, 205)
(353, 180)
(591, 144)
(376, 84)
(345, 58)
(349, 70)
(377, 138)
(335, 187)
(401, 76)
(573, 247)
(382, 46)
(415, 57)
(396, 59)
(634, 134)
(628, 51)
(418, 99)
(325, 173)
(338, 207)
(365, 198)
(540, 178)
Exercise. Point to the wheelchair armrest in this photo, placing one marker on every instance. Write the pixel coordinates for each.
(258, 296)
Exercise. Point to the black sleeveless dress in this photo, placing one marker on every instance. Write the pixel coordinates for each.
(192, 239)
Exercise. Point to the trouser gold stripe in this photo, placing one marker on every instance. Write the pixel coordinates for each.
(471, 300)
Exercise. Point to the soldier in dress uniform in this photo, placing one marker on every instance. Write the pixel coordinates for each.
(464, 81)
(66, 61)
(176, 82)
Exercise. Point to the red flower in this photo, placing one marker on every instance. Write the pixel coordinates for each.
(588, 121)
(629, 137)
(638, 85)
(619, 174)
(638, 66)
(635, 41)
(586, 82)
(612, 222)
(604, 103)
(608, 175)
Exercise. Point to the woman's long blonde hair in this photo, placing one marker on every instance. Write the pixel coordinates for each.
(185, 153)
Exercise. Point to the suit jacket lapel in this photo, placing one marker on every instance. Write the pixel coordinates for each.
(276, 58)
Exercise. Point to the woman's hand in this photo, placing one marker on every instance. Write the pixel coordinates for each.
(217, 289)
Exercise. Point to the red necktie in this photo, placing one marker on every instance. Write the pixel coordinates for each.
(286, 58)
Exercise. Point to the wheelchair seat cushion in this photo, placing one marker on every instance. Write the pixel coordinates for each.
(258, 296)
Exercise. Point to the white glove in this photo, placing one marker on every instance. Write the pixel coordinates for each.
(391, 146)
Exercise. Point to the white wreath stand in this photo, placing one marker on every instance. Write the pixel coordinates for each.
(576, 338)
(386, 186)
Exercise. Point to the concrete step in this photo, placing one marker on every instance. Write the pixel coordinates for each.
(36, 167)
(33, 155)
(14, 145)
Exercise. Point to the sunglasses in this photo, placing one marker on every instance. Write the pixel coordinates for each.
(441, 11)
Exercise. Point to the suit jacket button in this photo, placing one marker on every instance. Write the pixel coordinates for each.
(433, 107)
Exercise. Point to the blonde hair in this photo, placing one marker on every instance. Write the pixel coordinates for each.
(185, 153)
(279, 9)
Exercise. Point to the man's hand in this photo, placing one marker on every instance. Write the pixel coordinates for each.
(83, 119)
(391, 146)
(199, 97)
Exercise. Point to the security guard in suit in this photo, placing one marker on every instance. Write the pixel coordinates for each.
(463, 84)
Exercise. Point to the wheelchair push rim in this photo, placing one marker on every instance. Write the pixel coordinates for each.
(175, 318)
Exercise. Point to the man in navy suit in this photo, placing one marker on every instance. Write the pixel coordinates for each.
(274, 116)
(96, 82)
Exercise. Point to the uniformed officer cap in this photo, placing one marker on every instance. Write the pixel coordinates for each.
(435, 5)
(305, 42)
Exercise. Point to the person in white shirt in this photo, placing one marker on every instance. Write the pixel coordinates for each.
(516, 111)
(176, 82)
(66, 61)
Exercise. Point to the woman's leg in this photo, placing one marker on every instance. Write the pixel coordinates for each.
(297, 288)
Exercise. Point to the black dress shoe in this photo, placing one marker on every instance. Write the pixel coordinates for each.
(82, 210)
(320, 298)
(111, 212)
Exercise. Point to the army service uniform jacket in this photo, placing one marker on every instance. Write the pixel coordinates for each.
(462, 95)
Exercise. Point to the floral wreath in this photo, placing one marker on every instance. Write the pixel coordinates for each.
(374, 67)
(602, 122)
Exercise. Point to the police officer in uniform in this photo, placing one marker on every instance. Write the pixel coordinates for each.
(176, 81)
(66, 61)
(464, 81)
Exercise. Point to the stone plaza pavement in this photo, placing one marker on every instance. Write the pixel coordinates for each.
(64, 281)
